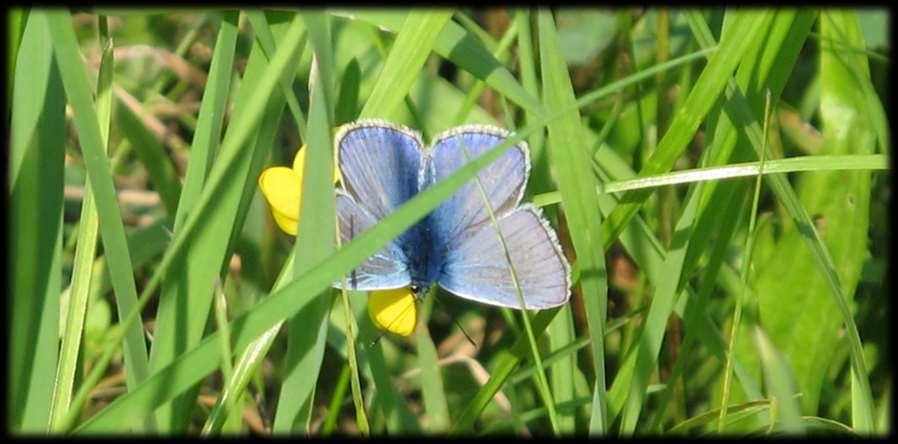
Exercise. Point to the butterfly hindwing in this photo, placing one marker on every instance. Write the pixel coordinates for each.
(477, 268)
(387, 268)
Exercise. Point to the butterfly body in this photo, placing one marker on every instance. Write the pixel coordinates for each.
(479, 244)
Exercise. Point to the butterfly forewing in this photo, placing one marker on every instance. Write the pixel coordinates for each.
(379, 163)
(503, 182)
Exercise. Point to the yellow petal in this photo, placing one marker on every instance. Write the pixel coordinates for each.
(393, 310)
(299, 162)
(281, 187)
(286, 223)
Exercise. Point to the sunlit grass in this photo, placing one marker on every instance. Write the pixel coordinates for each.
(204, 310)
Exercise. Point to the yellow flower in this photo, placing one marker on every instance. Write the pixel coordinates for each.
(393, 310)
(282, 188)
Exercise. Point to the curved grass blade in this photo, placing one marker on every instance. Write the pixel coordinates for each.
(250, 116)
(464, 50)
(307, 330)
(112, 231)
(266, 39)
(685, 122)
(709, 416)
(780, 382)
(581, 205)
(806, 230)
(85, 250)
(407, 55)
(432, 389)
(838, 162)
(36, 156)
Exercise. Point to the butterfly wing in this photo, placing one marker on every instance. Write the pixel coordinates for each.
(387, 269)
(477, 268)
(380, 163)
(503, 181)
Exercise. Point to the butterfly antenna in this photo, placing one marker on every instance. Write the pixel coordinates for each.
(455, 321)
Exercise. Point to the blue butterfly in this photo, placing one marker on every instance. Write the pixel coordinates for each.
(456, 246)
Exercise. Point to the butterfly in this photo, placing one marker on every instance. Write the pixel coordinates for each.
(457, 246)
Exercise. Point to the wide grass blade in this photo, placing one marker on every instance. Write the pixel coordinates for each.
(580, 204)
(465, 51)
(37, 129)
(407, 55)
(15, 27)
(186, 297)
(209, 121)
(266, 39)
(112, 232)
(307, 330)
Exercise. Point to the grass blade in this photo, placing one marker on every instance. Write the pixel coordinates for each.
(503, 369)
(152, 155)
(266, 39)
(740, 299)
(112, 231)
(35, 231)
(845, 162)
(210, 119)
(432, 389)
(685, 122)
(412, 46)
(580, 205)
(247, 365)
(465, 51)
(255, 95)
(821, 259)
(184, 305)
(15, 27)
(85, 250)
(315, 241)
(780, 382)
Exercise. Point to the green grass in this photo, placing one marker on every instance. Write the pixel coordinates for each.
(727, 278)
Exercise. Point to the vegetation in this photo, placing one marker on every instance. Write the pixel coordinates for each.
(718, 179)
